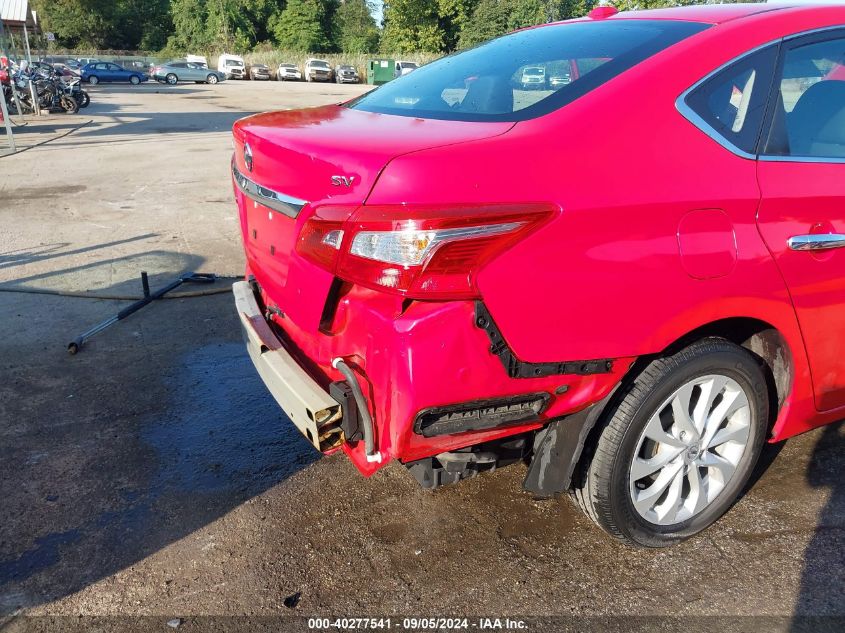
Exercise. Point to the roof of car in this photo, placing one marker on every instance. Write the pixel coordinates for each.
(707, 13)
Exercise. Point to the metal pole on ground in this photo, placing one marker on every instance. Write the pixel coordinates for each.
(26, 43)
(34, 95)
(7, 123)
(5, 113)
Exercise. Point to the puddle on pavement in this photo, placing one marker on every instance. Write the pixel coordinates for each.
(45, 554)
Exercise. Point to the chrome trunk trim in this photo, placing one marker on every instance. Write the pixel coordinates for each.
(275, 200)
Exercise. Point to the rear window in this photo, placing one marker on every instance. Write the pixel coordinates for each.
(508, 79)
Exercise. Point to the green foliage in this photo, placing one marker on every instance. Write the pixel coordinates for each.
(209, 26)
(122, 24)
(301, 26)
(190, 31)
(411, 25)
(231, 25)
(355, 27)
(454, 16)
(490, 19)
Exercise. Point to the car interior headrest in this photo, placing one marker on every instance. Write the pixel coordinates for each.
(817, 123)
(488, 94)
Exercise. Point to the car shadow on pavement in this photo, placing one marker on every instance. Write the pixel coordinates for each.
(155, 123)
(21, 257)
(822, 589)
(155, 429)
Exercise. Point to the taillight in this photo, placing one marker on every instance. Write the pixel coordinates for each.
(418, 252)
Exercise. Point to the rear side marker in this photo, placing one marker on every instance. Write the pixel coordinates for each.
(515, 368)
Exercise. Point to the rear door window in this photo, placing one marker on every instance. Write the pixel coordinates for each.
(808, 118)
(510, 78)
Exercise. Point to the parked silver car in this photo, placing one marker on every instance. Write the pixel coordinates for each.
(259, 72)
(344, 74)
(176, 71)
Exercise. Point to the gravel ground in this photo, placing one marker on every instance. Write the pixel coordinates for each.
(152, 475)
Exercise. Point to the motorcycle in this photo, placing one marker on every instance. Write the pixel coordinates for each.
(73, 88)
(51, 92)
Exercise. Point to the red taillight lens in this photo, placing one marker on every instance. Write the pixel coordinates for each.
(418, 252)
(321, 238)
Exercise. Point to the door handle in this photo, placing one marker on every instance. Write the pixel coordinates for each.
(816, 242)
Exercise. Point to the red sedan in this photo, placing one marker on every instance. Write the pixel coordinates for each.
(628, 278)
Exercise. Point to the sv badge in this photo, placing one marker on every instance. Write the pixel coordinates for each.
(345, 181)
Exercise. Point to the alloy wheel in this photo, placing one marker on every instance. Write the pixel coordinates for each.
(689, 450)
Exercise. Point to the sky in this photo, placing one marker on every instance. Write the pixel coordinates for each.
(378, 6)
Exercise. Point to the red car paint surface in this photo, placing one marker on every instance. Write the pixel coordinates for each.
(653, 231)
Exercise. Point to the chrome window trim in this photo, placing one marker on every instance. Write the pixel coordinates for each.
(690, 115)
(795, 36)
(275, 200)
(693, 117)
(774, 158)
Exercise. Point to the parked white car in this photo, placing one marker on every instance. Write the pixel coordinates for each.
(404, 67)
(232, 66)
(318, 70)
(288, 72)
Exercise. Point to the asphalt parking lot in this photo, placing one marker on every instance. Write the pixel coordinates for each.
(153, 475)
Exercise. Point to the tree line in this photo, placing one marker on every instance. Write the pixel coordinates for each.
(319, 26)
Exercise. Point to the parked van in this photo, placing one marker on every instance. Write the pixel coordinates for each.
(197, 59)
(232, 66)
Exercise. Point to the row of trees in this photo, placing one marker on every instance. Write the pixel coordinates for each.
(432, 26)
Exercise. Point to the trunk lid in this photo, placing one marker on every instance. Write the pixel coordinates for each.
(329, 154)
(298, 151)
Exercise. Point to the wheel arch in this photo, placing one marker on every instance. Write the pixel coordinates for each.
(762, 339)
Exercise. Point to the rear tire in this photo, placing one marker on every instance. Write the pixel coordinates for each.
(69, 104)
(667, 463)
(84, 99)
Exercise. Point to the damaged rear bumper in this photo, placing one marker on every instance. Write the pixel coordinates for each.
(313, 411)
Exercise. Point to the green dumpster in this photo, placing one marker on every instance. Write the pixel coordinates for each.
(380, 71)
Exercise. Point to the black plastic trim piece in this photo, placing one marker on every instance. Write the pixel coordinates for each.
(515, 368)
(342, 392)
(480, 415)
(558, 448)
